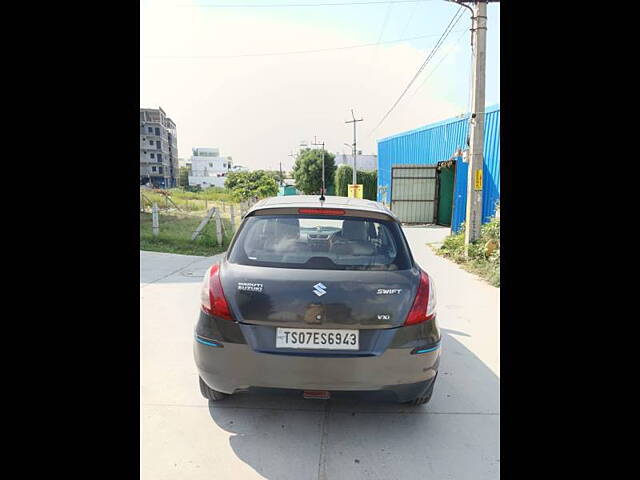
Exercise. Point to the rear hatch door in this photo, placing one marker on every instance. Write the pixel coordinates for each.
(301, 298)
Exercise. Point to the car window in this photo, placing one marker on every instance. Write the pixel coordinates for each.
(320, 242)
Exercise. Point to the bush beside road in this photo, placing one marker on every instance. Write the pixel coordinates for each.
(484, 254)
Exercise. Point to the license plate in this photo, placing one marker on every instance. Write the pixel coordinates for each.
(327, 339)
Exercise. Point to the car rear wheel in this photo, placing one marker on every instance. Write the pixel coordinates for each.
(210, 393)
(423, 399)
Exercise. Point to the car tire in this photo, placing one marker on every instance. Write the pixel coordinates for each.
(423, 399)
(210, 393)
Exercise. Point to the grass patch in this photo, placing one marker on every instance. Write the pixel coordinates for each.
(484, 254)
(175, 234)
(189, 201)
(216, 194)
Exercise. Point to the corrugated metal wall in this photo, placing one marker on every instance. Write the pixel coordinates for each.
(436, 142)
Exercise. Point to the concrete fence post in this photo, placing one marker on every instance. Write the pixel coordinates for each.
(218, 228)
(233, 220)
(155, 224)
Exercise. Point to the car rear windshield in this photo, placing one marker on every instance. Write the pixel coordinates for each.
(320, 242)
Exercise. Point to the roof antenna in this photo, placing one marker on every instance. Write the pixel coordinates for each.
(322, 191)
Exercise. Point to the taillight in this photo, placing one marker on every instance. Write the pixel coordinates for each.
(212, 296)
(424, 305)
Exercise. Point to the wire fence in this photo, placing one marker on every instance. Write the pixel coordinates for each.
(199, 220)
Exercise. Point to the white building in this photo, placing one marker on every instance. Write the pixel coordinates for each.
(209, 169)
(363, 162)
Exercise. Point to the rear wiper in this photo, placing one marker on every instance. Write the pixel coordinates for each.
(320, 262)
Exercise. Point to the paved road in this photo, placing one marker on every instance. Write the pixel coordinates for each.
(455, 436)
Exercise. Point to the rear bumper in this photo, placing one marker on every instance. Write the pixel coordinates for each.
(392, 393)
(235, 366)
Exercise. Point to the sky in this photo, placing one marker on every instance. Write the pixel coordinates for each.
(206, 67)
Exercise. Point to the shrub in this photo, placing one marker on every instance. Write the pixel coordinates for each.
(479, 260)
(368, 179)
(244, 185)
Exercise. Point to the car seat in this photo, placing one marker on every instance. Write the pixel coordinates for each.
(353, 239)
(281, 234)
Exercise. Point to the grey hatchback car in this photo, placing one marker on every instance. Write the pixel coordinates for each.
(320, 298)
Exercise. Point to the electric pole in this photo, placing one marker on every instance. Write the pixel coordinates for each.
(354, 143)
(473, 219)
(293, 159)
(318, 144)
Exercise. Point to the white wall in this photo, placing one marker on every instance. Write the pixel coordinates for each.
(210, 165)
(208, 181)
(208, 171)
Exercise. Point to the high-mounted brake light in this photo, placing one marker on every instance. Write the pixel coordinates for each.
(424, 305)
(212, 296)
(321, 211)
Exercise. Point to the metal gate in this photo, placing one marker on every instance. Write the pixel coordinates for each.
(413, 193)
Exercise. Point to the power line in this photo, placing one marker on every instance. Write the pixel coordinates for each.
(295, 52)
(445, 34)
(411, 15)
(278, 5)
(375, 51)
(438, 64)
(384, 23)
(447, 30)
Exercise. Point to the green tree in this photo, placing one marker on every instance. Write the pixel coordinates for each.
(183, 177)
(307, 171)
(275, 174)
(244, 185)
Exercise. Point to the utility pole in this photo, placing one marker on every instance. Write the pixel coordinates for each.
(293, 159)
(476, 144)
(354, 143)
(314, 143)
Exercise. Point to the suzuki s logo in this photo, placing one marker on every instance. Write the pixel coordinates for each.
(319, 289)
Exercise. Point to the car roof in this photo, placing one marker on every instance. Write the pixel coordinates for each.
(294, 201)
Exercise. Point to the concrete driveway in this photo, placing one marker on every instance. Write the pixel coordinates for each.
(455, 436)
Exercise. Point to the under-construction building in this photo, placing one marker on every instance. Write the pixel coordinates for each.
(158, 149)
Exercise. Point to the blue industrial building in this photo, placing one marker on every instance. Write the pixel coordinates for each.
(429, 180)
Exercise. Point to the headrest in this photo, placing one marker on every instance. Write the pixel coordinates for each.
(354, 230)
(269, 228)
(372, 230)
(288, 228)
